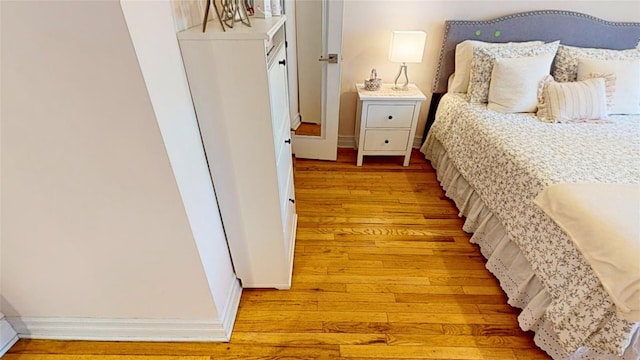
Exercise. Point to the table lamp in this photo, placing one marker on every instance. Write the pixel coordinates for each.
(406, 47)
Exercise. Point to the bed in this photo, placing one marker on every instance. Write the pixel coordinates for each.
(494, 165)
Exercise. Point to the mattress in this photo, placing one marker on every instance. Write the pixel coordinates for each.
(495, 165)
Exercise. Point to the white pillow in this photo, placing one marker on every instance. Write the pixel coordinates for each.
(626, 96)
(464, 54)
(482, 66)
(514, 83)
(572, 101)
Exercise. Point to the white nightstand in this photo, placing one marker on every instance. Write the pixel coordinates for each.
(386, 121)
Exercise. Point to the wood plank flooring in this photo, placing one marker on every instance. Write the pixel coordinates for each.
(309, 129)
(382, 271)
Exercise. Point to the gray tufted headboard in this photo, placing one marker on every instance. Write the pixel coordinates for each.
(571, 28)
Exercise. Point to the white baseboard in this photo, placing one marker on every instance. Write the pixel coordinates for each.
(231, 307)
(8, 336)
(123, 329)
(63, 328)
(347, 141)
(296, 122)
(417, 142)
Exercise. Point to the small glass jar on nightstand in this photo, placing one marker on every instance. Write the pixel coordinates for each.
(386, 121)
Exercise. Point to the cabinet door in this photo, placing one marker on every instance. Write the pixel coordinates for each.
(278, 94)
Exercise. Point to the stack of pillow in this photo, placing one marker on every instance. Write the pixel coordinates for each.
(560, 83)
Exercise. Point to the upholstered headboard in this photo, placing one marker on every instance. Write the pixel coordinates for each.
(571, 28)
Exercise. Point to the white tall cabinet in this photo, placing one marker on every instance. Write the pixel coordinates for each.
(238, 82)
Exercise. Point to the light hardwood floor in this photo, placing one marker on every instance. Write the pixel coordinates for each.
(309, 129)
(382, 270)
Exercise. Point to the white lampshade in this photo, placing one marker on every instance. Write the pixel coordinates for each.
(407, 46)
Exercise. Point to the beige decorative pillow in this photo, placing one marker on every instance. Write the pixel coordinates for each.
(514, 83)
(609, 86)
(626, 97)
(542, 113)
(482, 66)
(581, 101)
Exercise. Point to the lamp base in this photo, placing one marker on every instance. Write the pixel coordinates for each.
(403, 87)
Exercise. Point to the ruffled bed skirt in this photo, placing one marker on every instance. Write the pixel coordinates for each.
(506, 262)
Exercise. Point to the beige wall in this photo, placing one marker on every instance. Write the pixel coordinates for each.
(368, 26)
(92, 220)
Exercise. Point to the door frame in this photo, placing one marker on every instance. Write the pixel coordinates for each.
(325, 146)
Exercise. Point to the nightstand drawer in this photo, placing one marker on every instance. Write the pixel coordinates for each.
(384, 116)
(392, 140)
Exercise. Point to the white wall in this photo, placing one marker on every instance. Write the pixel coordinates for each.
(93, 222)
(368, 26)
(158, 53)
(8, 336)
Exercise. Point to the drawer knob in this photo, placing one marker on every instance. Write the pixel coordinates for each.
(390, 117)
(288, 141)
(292, 201)
(282, 62)
(386, 141)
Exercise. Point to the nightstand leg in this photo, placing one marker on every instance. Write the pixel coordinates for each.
(359, 161)
(407, 158)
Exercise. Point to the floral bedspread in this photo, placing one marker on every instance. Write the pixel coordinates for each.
(509, 159)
